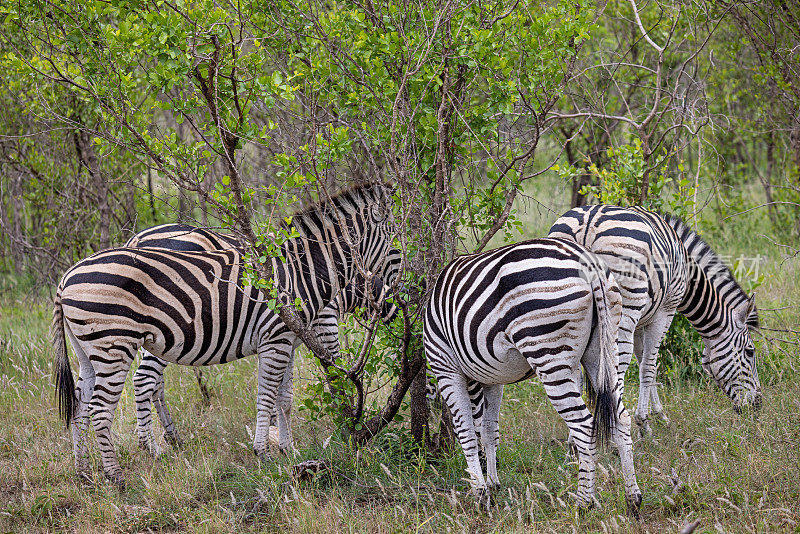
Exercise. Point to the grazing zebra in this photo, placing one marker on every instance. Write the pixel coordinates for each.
(192, 308)
(540, 307)
(148, 380)
(662, 266)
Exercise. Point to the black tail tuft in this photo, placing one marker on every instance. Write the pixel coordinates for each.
(65, 391)
(605, 417)
(62, 372)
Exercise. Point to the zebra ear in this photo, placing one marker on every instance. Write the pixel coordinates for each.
(751, 319)
(379, 213)
(746, 315)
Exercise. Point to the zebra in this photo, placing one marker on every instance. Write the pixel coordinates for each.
(192, 308)
(664, 267)
(148, 380)
(541, 307)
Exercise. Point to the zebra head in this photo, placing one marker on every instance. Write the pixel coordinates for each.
(729, 357)
(371, 226)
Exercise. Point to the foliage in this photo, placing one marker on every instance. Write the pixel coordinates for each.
(619, 182)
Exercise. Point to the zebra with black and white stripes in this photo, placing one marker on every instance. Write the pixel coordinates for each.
(663, 267)
(148, 380)
(541, 307)
(192, 308)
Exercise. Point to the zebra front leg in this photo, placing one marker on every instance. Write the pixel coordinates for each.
(171, 434)
(652, 334)
(493, 396)
(453, 387)
(657, 407)
(283, 407)
(273, 358)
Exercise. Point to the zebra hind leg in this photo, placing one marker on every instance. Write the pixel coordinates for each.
(563, 388)
(453, 387)
(493, 395)
(622, 438)
(475, 392)
(80, 422)
(111, 368)
(621, 430)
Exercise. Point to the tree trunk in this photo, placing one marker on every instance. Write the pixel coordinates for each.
(578, 198)
(150, 192)
(182, 210)
(420, 410)
(795, 141)
(447, 432)
(17, 251)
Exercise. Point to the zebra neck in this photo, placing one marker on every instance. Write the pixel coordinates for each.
(702, 303)
(303, 279)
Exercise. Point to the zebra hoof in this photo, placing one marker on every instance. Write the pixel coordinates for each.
(150, 447)
(588, 503)
(118, 480)
(644, 426)
(287, 451)
(264, 457)
(174, 440)
(633, 503)
(85, 478)
(484, 499)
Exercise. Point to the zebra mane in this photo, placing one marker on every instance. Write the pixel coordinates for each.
(341, 202)
(715, 268)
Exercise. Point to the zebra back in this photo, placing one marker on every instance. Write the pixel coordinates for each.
(179, 236)
(184, 237)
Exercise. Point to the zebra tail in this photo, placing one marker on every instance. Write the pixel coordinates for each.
(603, 395)
(62, 372)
